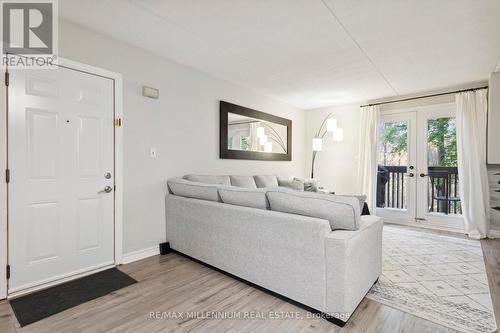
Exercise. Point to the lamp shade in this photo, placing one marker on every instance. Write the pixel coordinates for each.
(338, 134)
(260, 131)
(268, 147)
(263, 139)
(331, 124)
(317, 144)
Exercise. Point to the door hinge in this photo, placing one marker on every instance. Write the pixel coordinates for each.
(118, 122)
(8, 271)
(7, 78)
(114, 188)
(7, 176)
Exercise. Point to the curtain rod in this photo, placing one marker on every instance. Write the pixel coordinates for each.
(426, 96)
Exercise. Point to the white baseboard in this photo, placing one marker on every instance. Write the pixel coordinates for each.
(494, 233)
(141, 254)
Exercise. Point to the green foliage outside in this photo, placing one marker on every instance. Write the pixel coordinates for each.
(394, 140)
(245, 143)
(441, 141)
(442, 138)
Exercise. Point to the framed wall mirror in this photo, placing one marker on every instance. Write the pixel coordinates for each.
(248, 134)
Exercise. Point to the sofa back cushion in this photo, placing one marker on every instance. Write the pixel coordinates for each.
(239, 196)
(189, 189)
(243, 181)
(263, 181)
(341, 212)
(209, 179)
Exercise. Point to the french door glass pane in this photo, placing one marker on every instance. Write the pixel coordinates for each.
(392, 182)
(443, 194)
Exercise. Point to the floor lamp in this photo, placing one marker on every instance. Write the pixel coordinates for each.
(317, 143)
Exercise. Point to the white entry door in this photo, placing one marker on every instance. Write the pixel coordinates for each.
(417, 174)
(61, 161)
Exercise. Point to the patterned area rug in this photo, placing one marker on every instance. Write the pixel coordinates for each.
(438, 278)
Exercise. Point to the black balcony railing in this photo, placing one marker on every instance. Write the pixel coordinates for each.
(443, 191)
(443, 194)
(391, 186)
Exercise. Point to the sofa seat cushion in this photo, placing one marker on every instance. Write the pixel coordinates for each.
(243, 181)
(209, 179)
(189, 189)
(239, 196)
(263, 181)
(341, 212)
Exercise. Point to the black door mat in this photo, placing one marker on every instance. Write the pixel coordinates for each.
(44, 303)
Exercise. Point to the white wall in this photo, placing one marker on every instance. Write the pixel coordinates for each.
(183, 125)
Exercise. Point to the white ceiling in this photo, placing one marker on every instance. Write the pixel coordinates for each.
(311, 53)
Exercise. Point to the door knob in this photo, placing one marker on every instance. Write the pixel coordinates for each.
(411, 174)
(423, 175)
(107, 189)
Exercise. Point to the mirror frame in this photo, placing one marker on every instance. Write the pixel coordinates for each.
(225, 153)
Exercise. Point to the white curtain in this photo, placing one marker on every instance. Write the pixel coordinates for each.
(471, 120)
(367, 168)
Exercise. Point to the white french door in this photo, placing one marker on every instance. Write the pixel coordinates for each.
(61, 161)
(396, 185)
(417, 175)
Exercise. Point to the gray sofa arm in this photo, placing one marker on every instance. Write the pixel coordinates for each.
(353, 264)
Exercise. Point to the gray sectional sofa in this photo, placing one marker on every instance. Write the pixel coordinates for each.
(312, 248)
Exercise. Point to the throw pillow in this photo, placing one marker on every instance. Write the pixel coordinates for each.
(310, 184)
(293, 184)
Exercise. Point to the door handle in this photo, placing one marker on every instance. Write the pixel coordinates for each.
(411, 174)
(107, 189)
(423, 175)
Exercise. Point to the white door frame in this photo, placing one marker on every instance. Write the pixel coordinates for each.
(118, 165)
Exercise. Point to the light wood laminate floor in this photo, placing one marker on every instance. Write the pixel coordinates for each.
(175, 283)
